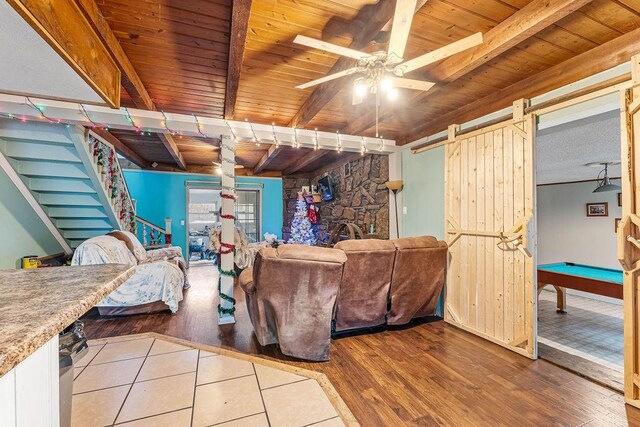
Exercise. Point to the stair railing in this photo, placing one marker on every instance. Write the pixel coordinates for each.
(152, 235)
(112, 178)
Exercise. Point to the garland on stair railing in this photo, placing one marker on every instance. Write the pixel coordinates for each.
(105, 158)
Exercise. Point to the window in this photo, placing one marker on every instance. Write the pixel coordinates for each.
(248, 214)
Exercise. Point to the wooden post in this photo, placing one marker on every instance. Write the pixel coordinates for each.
(227, 303)
(452, 130)
(519, 108)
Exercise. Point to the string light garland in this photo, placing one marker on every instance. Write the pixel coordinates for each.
(223, 296)
(198, 125)
(165, 124)
(339, 141)
(233, 134)
(363, 148)
(381, 145)
(84, 112)
(296, 144)
(275, 138)
(315, 140)
(255, 137)
(138, 128)
(226, 248)
(40, 110)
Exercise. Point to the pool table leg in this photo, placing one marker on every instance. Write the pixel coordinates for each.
(561, 297)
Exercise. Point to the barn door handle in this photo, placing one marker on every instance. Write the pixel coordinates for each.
(635, 242)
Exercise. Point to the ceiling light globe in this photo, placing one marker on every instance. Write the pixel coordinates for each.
(386, 84)
(360, 89)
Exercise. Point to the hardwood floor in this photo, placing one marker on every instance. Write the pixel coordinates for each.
(428, 374)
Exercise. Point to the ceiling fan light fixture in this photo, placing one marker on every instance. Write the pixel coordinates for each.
(360, 88)
(392, 94)
(386, 84)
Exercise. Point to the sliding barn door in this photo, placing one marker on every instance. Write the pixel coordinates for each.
(629, 235)
(490, 226)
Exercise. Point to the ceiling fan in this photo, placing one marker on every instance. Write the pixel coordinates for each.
(384, 71)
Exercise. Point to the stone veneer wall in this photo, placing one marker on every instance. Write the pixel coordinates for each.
(360, 197)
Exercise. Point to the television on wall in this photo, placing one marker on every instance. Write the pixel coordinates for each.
(325, 188)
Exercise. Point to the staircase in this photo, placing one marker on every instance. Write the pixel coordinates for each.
(69, 176)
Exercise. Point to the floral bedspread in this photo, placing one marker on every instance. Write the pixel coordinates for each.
(151, 282)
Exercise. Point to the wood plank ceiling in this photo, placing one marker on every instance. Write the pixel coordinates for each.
(180, 50)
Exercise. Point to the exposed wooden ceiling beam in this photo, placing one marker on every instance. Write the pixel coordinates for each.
(523, 24)
(596, 60)
(371, 20)
(62, 25)
(267, 158)
(122, 148)
(130, 79)
(305, 160)
(213, 170)
(172, 148)
(240, 13)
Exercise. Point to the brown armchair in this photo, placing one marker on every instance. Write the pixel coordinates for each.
(418, 278)
(291, 293)
(364, 292)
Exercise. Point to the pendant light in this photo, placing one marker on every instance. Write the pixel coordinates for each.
(605, 184)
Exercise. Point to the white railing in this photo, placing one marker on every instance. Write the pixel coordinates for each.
(112, 179)
(152, 235)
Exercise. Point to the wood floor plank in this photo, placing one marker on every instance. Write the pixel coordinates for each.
(426, 374)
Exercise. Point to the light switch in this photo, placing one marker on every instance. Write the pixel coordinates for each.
(182, 222)
(404, 210)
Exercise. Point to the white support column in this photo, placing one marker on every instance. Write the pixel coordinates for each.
(227, 306)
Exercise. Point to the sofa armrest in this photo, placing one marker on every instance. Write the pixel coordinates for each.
(246, 281)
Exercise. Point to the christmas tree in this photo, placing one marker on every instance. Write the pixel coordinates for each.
(301, 232)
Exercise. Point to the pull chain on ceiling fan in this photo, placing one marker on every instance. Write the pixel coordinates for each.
(385, 71)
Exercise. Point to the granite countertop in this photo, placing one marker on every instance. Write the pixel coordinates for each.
(36, 305)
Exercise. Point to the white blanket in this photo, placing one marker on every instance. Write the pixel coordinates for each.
(156, 281)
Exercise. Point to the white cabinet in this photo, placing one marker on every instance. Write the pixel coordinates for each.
(29, 393)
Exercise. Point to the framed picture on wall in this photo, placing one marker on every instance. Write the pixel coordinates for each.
(598, 209)
(620, 199)
(616, 223)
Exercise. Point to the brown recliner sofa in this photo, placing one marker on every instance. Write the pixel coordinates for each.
(364, 292)
(294, 292)
(418, 278)
(290, 293)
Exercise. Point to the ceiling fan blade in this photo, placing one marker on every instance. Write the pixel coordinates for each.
(402, 19)
(441, 53)
(330, 47)
(412, 84)
(333, 76)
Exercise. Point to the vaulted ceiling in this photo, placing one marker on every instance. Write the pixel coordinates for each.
(237, 60)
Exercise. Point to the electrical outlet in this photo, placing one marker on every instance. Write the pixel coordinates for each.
(404, 210)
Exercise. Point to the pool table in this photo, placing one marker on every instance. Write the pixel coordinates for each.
(585, 278)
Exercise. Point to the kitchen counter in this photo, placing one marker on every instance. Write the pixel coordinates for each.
(36, 305)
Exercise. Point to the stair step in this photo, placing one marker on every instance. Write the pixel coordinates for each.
(74, 243)
(44, 133)
(35, 168)
(84, 234)
(83, 223)
(72, 185)
(56, 212)
(37, 151)
(68, 199)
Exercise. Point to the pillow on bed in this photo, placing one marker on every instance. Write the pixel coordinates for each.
(133, 244)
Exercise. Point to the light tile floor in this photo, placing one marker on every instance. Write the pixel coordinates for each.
(149, 381)
(590, 329)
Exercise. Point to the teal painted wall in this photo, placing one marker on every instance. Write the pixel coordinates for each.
(423, 193)
(159, 195)
(23, 233)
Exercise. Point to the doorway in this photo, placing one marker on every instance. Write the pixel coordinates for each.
(203, 205)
